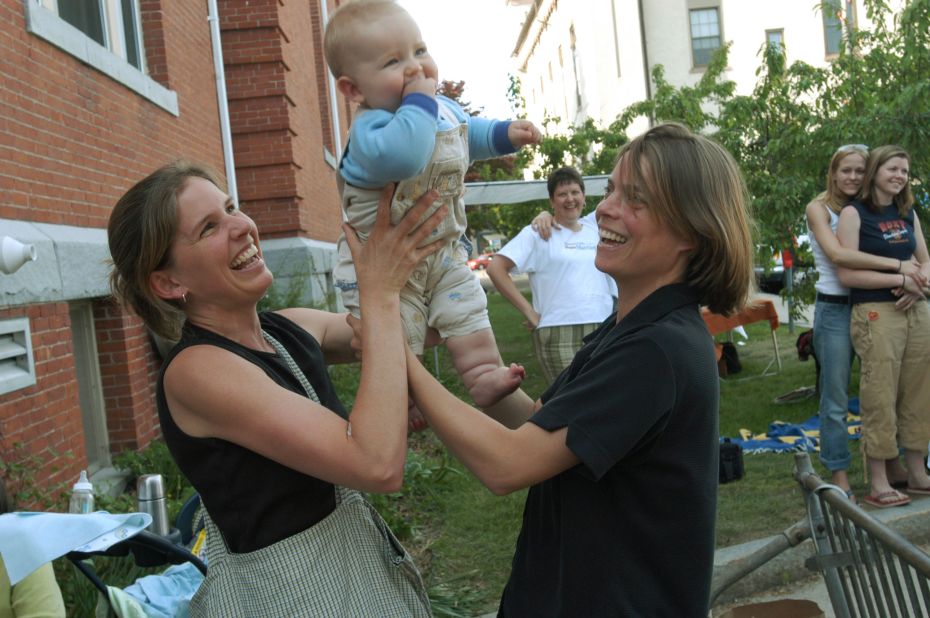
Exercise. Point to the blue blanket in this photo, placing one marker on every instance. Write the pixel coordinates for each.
(784, 437)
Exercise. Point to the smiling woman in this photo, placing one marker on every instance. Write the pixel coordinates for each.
(628, 432)
(247, 396)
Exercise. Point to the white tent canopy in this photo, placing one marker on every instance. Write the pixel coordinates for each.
(516, 191)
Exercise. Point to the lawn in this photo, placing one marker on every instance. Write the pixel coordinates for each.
(463, 536)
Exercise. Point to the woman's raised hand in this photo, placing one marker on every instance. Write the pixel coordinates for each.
(391, 252)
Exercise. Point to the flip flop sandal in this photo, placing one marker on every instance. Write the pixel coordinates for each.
(887, 499)
(919, 490)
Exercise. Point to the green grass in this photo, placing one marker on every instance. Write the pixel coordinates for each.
(465, 536)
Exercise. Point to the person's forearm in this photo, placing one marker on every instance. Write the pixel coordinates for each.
(848, 258)
(869, 279)
(505, 285)
(378, 421)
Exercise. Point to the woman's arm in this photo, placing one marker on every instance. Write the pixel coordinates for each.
(499, 272)
(847, 232)
(818, 221)
(215, 393)
(503, 459)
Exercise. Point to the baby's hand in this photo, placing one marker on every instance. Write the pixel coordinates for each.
(522, 133)
(421, 84)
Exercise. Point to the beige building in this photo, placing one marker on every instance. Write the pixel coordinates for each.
(584, 59)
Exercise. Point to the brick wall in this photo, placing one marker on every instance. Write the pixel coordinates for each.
(128, 370)
(72, 140)
(44, 420)
(274, 65)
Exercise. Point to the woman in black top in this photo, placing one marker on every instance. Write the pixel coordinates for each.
(620, 453)
(249, 413)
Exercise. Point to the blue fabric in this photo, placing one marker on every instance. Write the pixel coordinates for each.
(29, 540)
(386, 147)
(784, 437)
(169, 594)
(834, 352)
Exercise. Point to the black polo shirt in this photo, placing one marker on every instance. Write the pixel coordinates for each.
(629, 531)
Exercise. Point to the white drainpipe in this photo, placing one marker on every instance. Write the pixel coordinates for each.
(225, 131)
(333, 103)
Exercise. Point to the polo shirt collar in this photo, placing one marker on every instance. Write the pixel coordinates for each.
(661, 302)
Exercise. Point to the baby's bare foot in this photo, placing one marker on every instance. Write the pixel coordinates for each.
(494, 385)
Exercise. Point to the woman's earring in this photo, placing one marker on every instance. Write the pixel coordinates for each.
(184, 298)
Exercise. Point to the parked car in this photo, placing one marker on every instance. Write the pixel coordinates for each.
(480, 262)
(772, 279)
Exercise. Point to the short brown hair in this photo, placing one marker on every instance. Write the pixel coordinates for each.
(877, 158)
(564, 176)
(140, 232)
(694, 186)
(338, 40)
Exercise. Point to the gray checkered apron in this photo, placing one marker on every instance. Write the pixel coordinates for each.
(349, 564)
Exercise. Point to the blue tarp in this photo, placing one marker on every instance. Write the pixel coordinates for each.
(784, 437)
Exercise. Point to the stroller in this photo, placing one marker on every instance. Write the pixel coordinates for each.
(149, 550)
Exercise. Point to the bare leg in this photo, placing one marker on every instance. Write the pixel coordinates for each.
(841, 479)
(917, 476)
(477, 360)
(895, 471)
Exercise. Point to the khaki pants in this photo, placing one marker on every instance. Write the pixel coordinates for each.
(894, 385)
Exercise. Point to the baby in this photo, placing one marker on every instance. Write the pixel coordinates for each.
(404, 133)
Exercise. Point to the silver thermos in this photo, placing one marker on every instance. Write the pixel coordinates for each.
(150, 495)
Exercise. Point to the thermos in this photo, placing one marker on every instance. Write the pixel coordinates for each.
(150, 496)
(82, 496)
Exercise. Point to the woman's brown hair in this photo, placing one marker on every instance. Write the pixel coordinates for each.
(140, 233)
(878, 157)
(697, 190)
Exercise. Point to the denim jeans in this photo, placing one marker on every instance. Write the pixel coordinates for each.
(834, 350)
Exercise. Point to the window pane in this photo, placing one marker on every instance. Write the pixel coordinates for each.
(774, 38)
(832, 26)
(85, 15)
(705, 34)
(131, 33)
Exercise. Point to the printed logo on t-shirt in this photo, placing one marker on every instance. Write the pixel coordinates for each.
(893, 232)
(581, 245)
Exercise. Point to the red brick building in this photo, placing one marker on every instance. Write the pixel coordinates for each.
(94, 96)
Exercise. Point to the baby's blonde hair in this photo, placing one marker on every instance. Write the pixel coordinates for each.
(339, 40)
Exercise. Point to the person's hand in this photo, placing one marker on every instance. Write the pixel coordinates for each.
(532, 320)
(356, 343)
(522, 133)
(420, 83)
(391, 252)
(543, 223)
(912, 268)
(906, 300)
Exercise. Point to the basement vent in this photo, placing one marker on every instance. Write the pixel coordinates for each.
(17, 366)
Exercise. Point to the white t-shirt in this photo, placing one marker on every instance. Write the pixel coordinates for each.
(567, 288)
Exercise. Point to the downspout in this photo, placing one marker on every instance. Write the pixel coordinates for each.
(225, 131)
(333, 103)
(642, 40)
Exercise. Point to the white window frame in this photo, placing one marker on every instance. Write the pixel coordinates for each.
(780, 34)
(17, 363)
(691, 10)
(42, 20)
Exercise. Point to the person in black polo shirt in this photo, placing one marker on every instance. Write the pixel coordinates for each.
(620, 453)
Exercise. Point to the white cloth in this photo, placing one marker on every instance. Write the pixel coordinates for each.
(29, 540)
(567, 288)
(828, 281)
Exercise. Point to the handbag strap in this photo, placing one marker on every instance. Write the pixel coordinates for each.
(292, 366)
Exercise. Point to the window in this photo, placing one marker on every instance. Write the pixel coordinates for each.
(775, 39)
(705, 35)
(105, 34)
(17, 365)
(836, 15)
(114, 24)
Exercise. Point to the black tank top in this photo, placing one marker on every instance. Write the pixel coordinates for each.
(253, 500)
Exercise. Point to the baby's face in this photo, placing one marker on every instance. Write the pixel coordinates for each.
(389, 55)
